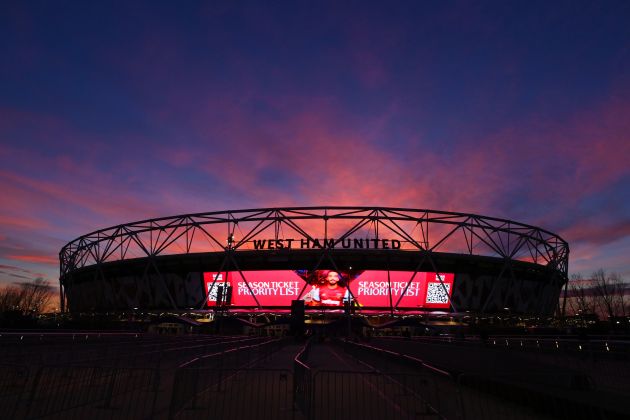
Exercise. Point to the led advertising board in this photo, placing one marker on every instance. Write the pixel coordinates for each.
(328, 288)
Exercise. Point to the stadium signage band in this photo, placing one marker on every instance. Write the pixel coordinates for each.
(329, 288)
(329, 243)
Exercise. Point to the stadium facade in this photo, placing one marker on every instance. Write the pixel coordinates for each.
(382, 259)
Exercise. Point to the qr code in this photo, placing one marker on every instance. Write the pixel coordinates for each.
(213, 294)
(438, 292)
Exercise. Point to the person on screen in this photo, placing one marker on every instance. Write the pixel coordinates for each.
(312, 297)
(331, 293)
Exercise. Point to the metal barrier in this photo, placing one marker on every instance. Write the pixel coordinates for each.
(195, 378)
(92, 392)
(237, 357)
(13, 382)
(303, 380)
(82, 392)
(605, 362)
(97, 381)
(370, 395)
(571, 394)
(233, 394)
(530, 397)
(434, 389)
(221, 381)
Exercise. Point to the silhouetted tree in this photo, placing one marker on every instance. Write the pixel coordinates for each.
(610, 291)
(9, 298)
(620, 302)
(582, 300)
(27, 298)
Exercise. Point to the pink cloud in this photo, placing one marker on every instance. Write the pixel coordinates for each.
(66, 196)
(312, 152)
(20, 272)
(310, 147)
(597, 234)
(13, 268)
(329, 162)
(22, 223)
(567, 160)
(39, 259)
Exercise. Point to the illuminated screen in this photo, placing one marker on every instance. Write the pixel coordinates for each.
(367, 288)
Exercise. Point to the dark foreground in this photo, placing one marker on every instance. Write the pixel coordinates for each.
(119, 375)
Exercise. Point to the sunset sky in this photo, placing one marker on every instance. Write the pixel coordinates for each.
(112, 112)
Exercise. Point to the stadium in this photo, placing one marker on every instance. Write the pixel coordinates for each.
(383, 260)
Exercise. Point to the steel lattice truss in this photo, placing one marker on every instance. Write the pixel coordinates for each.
(419, 230)
(422, 231)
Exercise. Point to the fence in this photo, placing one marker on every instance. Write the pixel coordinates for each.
(222, 371)
(224, 380)
(370, 395)
(78, 388)
(433, 389)
(13, 385)
(605, 362)
(529, 395)
(513, 396)
(92, 392)
(233, 394)
(303, 380)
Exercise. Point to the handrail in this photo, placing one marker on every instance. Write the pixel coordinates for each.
(223, 352)
(404, 356)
